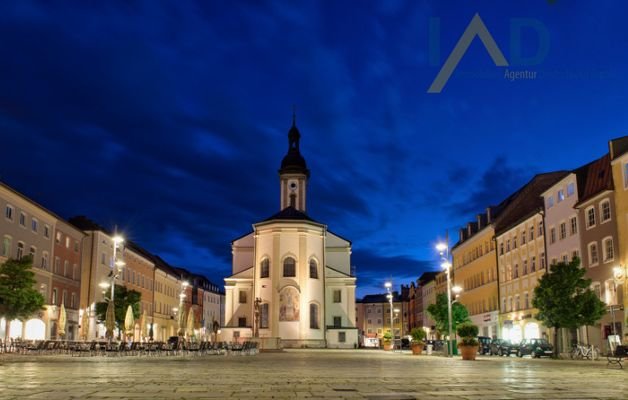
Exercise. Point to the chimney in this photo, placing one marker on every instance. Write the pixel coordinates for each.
(479, 221)
(469, 230)
(461, 234)
(488, 215)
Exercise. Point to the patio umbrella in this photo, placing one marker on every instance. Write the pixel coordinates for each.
(62, 321)
(181, 323)
(191, 323)
(84, 325)
(129, 322)
(110, 320)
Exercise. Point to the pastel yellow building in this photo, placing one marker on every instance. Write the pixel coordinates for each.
(475, 271)
(618, 149)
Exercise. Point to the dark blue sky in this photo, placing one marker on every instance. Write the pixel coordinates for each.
(170, 118)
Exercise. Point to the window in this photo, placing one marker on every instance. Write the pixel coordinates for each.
(66, 267)
(20, 250)
(264, 268)
(342, 337)
(610, 290)
(571, 189)
(563, 230)
(337, 322)
(313, 269)
(32, 253)
(76, 274)
(533, 264)
(607, 249)
(314, 316)
(626, 175)
(8, 212)
(54, 296)
(550, 202)
(514, 242)
(44, 261)
(532, 233)
(76, 246)
(552, 235)
(47, 231)
(57, 265)
(597, 289)
(34, 225)
(6, 247)
(605, 211)
(525, 267)
(289, 268)
(241, 323)
(58, 237)
(516, 274)
(526, 301)
(540, 228)
(242, 297)
(517, 304)
(337, 296)
(23, 219)
(523, 237)
(503, 304)
(593, 255)
(575, 254)
(67, 242)
(590, 217)
(103, 258)
(573, 221)
(264, 316)
(560, 196)
(542, 260)
(501, 249)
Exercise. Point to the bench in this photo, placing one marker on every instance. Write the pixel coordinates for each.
(617, 355)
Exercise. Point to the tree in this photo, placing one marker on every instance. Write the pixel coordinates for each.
(564, 299)
(438, 312)
(123, 298)
(18, 297)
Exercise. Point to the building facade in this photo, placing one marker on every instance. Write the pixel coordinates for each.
(475, 271)
(521, 258)
(291, 276)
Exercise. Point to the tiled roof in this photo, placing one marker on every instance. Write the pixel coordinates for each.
(526, 201)
(380, 298)
(618, 147)
(427, 277)
(290, 213)
(599, 177)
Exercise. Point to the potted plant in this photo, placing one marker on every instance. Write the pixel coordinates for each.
(388, 345)
(418, 340)
(469, 344)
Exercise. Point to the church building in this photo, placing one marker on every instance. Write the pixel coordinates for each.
(291, 282)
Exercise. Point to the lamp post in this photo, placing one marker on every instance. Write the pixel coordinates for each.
(443, 250)
(619, 277)
(389, 296)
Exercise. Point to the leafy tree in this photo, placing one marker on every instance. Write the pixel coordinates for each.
(123, 298)
(564, 299)
(438, 312)
(18, 297)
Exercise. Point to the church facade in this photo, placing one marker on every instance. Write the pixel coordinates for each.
(292, 279)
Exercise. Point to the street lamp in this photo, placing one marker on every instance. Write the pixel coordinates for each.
(118, 264)
(618, 278)
(389, 296)
(443, 250)
(184, 285)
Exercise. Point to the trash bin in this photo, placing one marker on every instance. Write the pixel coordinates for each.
(429, 349)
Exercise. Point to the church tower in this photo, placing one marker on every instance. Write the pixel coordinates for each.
(293, 174)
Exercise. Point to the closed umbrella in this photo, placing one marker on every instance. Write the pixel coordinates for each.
(84, 325)
(110, 320)
(181, 323)
(142, 324)
(191, 323)
(62, 321)
(129, 322)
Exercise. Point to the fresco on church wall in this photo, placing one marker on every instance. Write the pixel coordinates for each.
(289, 304)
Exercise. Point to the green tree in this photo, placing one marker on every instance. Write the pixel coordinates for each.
(438, 312)
(18, 297)
(123, 298)
(564, 299)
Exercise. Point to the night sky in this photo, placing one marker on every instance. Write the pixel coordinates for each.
(170, 119)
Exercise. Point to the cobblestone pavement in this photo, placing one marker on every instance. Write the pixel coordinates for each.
(374, 375)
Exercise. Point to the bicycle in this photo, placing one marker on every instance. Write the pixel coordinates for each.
(581, 351)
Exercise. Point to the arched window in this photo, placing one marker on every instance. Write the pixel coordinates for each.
(20, 250)
(289, 268)
(313, 269)
(264, 271)
(314, 320)
(264, 316)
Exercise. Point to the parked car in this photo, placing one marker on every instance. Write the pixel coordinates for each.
(536, 348)
(502, 347)
(485, 345)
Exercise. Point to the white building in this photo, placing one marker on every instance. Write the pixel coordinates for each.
(293, 271)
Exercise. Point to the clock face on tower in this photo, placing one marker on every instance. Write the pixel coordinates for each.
(292, 185)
